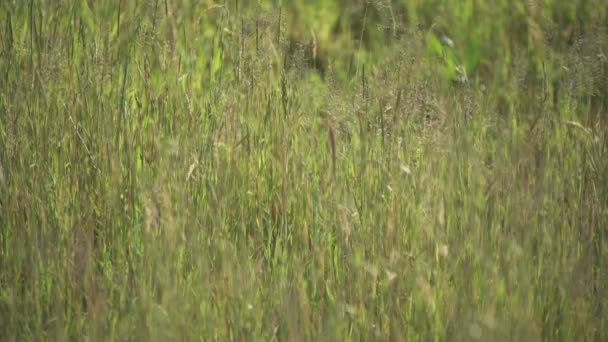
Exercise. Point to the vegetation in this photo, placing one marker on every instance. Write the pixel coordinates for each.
(303, 170)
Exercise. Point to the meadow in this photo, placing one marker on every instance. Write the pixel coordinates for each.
(304, 170)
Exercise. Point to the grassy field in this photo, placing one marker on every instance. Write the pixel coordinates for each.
(304, 170)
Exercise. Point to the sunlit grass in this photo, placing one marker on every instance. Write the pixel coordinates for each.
(176, 170)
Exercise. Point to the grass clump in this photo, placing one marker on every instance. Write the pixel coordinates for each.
(398, 170)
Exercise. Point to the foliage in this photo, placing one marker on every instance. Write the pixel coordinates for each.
(303, 170)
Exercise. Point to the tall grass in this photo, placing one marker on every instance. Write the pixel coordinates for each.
(180, 170)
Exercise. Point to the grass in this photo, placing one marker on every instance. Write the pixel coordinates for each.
(181, 170)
